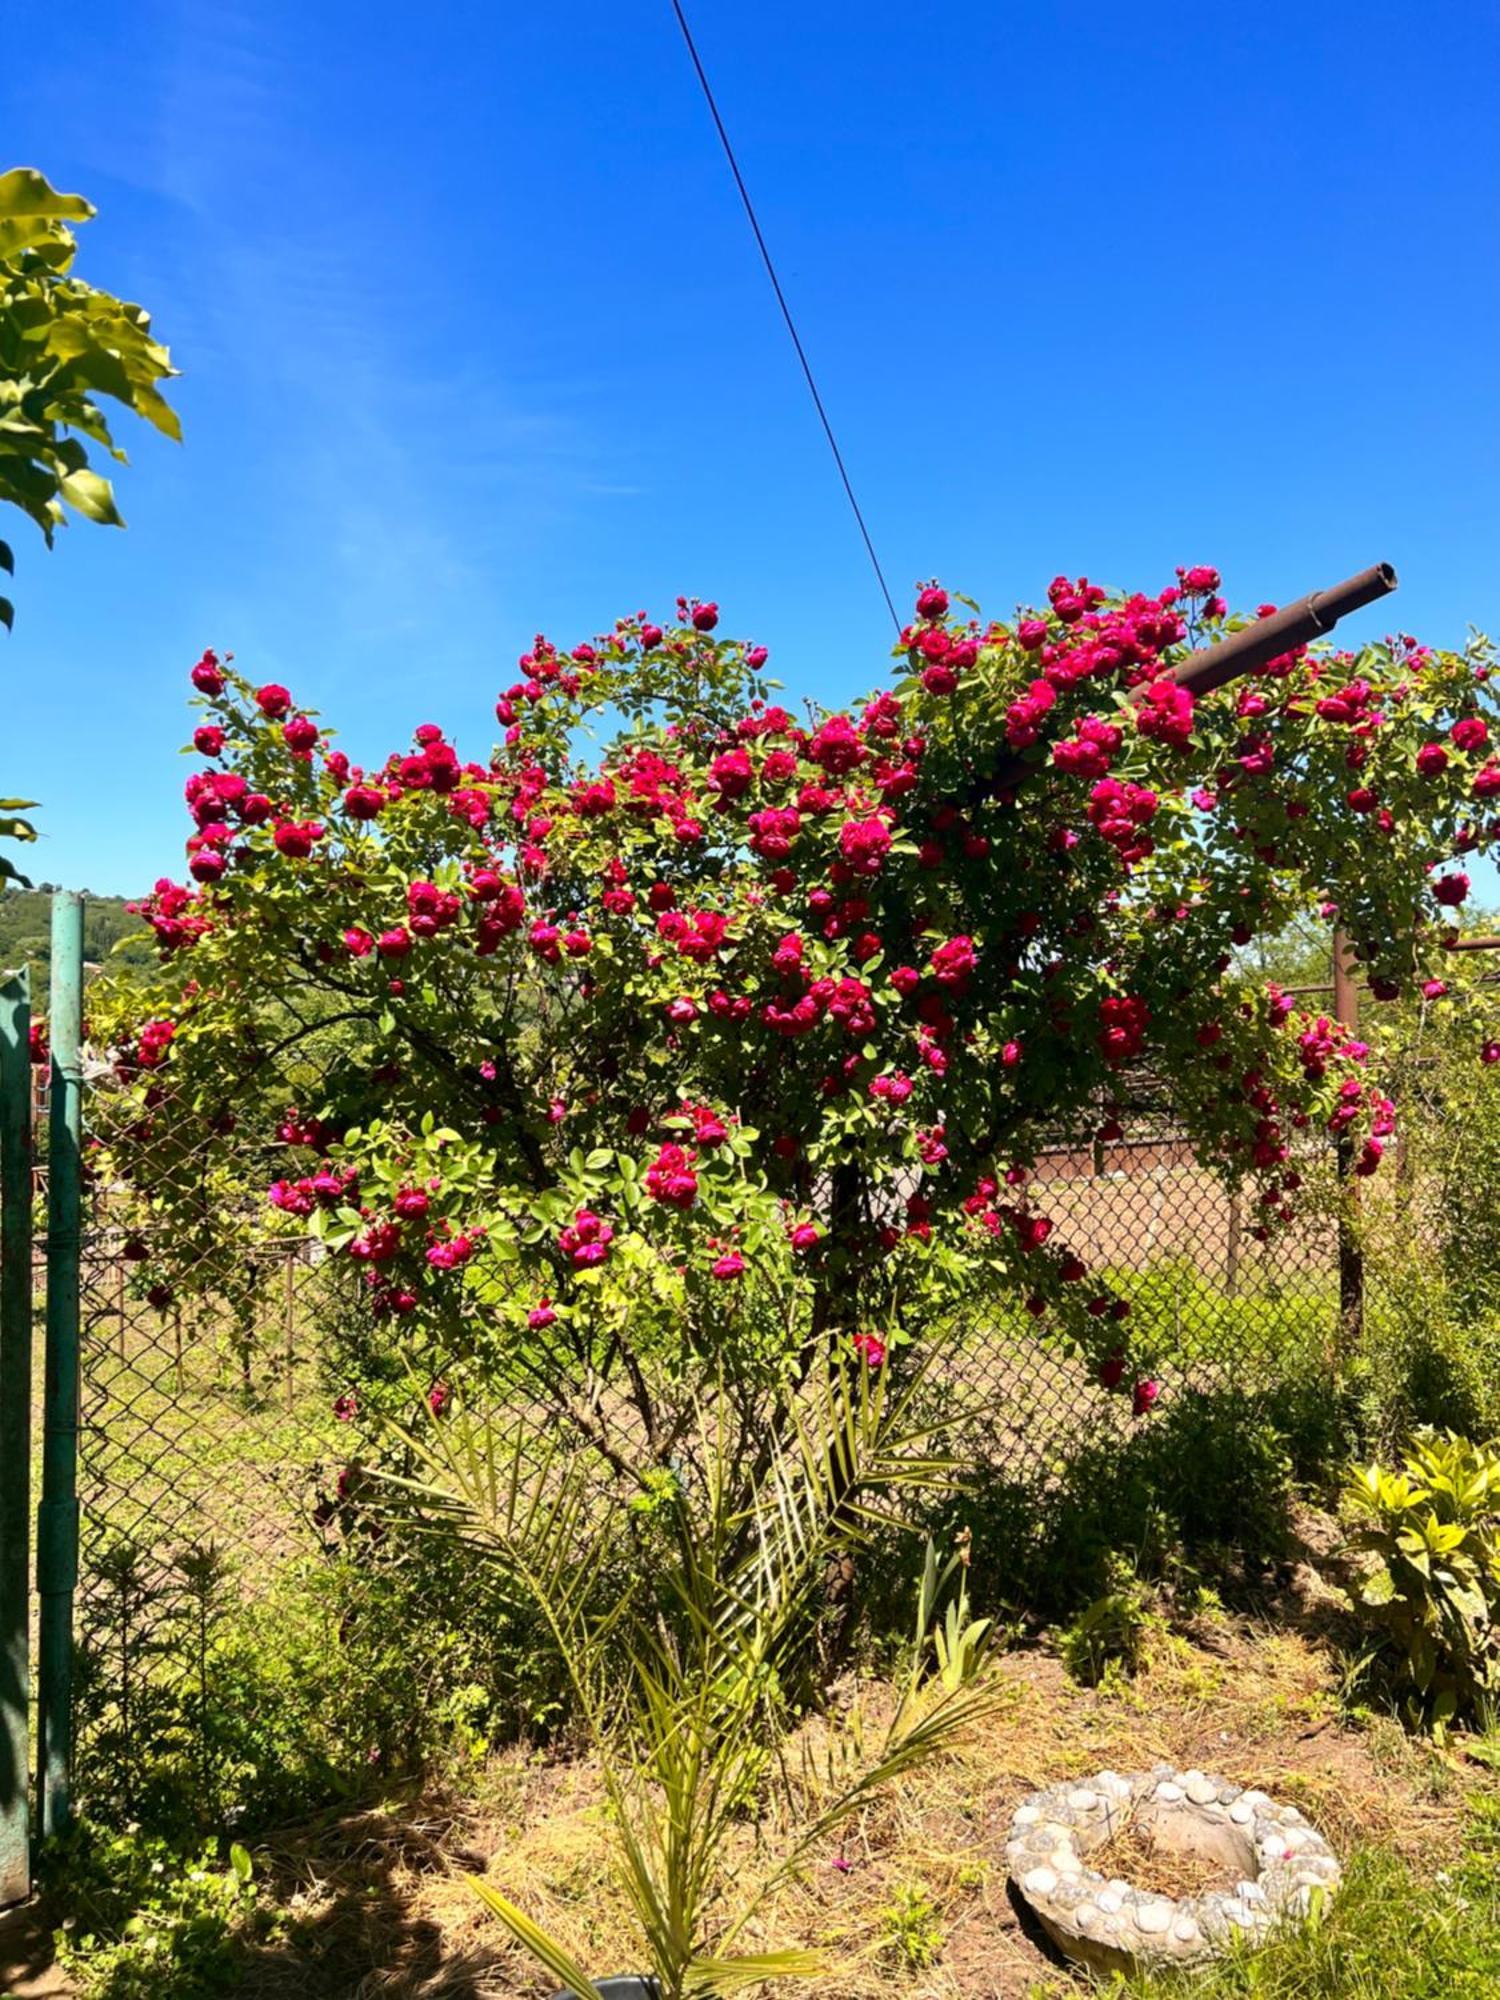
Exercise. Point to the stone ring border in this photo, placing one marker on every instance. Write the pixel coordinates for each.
(1110, 1924)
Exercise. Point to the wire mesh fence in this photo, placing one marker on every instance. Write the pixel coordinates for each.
(228, 1565)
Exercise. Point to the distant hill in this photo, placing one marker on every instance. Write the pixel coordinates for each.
(25, 935)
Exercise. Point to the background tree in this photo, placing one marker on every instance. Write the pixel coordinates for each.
(63, 345)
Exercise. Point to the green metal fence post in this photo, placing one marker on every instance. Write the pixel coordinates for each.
(15, 1436)
(57, 1518)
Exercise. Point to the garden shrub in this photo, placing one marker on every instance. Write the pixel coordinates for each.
(1201, 1493)
(142, 1919)
(1109, 1635)
(336, 1675)
(600, 1076)
(1430, 1355)
(580, 1049)
(1427, 1359)
(1430, 1531)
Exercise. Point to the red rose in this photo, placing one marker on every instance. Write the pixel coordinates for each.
(206, 677)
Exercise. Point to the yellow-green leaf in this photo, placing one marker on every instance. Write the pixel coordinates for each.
(555, 1957)
(92, 495)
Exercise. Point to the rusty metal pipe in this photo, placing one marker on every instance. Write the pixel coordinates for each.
(1294, 625)
(1311, 617)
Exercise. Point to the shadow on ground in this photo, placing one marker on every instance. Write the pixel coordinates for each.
(26, 1968)
(351, 1888)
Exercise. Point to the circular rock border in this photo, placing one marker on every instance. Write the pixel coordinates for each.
(1111, 1925)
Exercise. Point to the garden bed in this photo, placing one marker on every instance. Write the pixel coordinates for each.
(916, 1899)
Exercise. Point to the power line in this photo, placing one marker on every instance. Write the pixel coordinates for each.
(786, 311)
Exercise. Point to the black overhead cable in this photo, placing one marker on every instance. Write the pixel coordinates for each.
(786, 311)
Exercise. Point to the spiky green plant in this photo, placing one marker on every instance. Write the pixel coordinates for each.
(679, 1669)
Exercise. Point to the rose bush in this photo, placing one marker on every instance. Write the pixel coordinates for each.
(740, 1033)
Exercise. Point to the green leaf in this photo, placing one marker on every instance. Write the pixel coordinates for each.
(1378, 1589)
(546, 1949)
(25, 192)
(239, 1861)
(93, 496)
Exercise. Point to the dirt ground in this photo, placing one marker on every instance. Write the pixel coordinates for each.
(912, 1892)
(916, 1889)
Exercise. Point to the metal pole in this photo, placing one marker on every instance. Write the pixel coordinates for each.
(289, 1306)
(15, 1436)
(57, 1518)
(1298, 624)
(1351, 1257)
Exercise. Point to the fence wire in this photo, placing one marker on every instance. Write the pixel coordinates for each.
(220, 1476)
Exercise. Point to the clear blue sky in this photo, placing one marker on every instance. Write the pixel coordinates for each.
(474, 340)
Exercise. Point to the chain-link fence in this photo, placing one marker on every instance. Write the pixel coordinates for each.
(249, 1635)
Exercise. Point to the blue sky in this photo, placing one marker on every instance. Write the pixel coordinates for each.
(475, 343)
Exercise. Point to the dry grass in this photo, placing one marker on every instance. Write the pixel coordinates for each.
(1135, 1855)
(382, 1911)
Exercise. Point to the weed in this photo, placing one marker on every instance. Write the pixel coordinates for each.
(910, 1927)
(143, 1920)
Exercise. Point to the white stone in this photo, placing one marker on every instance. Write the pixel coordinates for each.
(1186, 1930)
(1152, 1918)
(1201, 1790)
(1039, 1881)
(1241, 1812)
(1027, 1816)
(1110, 1900)
(1168, 1793)
(1083, 1801)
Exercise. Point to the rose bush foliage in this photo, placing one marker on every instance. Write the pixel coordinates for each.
(742, 1030)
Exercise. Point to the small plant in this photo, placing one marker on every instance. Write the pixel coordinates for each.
(680, 1672)
(911, 1926)
(959, 1641)
(1432, 1528)
(1109, 1637)
(143, 1921)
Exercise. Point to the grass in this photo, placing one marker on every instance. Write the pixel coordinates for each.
(1395, 1932)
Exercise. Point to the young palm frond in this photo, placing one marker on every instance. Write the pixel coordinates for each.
(680, 1658)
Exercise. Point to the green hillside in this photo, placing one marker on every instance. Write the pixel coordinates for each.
(25, 923)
